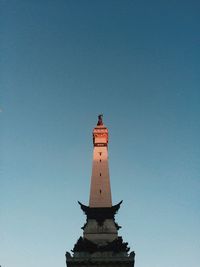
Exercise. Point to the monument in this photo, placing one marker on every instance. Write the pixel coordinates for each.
(100, 244)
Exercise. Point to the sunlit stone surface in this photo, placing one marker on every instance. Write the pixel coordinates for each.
(100, 192)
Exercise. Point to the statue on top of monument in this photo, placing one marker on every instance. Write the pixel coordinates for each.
(100, 119)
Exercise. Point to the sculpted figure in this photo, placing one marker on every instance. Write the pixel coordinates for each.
(100, 119)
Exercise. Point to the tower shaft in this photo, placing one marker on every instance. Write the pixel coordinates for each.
(100, 192)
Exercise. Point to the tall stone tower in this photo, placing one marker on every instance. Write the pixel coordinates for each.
(100, 245)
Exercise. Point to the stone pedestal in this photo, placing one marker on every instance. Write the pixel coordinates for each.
(100, 259)
(100, 245)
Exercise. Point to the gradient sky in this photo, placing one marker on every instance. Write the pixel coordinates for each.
(64, 62)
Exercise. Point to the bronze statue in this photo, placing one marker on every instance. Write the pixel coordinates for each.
(100, 119)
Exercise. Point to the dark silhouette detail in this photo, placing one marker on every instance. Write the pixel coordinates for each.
(100, 214)
(100, 119)
(116, 246)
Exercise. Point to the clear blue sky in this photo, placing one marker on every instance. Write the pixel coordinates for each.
(63, 63)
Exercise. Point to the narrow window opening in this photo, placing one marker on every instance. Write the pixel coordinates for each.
(100, 173)
(100, 160)
(100, 191)
(100, 153)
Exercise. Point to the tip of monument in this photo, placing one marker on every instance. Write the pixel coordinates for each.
(100, 120)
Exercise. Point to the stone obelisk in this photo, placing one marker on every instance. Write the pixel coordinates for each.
(100, 244)
(100, 192)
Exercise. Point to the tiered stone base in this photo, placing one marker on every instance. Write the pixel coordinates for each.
(100, 245)
(103, 259)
